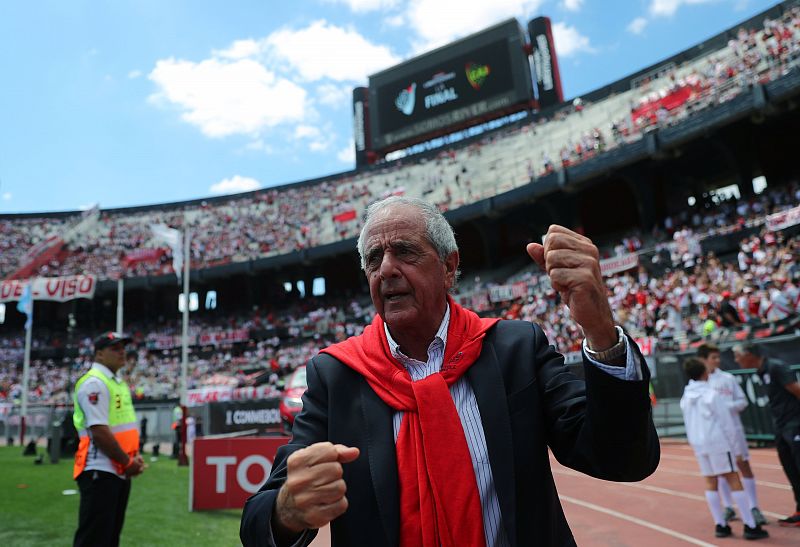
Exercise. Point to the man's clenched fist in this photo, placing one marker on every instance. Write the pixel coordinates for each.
(314, 491)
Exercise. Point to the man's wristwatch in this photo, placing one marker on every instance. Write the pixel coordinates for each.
(614, 352)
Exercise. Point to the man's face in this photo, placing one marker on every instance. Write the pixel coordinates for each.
(407, 280)
(712, 361)
(112, 356)
(745, 360)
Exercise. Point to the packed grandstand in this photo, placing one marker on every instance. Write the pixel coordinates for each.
(677, 287)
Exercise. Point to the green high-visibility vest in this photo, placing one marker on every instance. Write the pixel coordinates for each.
(121, 421)
(120, 405)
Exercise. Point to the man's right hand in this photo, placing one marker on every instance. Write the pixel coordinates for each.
(314, 491)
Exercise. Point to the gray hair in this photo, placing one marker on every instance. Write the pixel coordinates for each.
(749, 347)
(438, 230)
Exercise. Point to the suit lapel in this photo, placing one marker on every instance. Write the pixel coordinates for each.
(487, 383)
(382, 460)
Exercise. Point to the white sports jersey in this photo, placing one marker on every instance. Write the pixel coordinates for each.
(725, 384)
(729, 390)
(709, 425)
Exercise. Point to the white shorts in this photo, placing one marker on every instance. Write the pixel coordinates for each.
(740, 448)
(717, 463)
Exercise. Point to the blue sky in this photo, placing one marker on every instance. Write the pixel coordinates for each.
(137, 102)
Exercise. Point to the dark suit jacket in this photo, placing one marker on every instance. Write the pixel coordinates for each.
(528, 400)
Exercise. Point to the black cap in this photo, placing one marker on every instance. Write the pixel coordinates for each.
(109, 339)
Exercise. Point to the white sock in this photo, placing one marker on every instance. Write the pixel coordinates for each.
(724, 491)
(750, 488)
(745, 509)
(712, 497)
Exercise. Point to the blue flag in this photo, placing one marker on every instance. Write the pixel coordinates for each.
(25, 305)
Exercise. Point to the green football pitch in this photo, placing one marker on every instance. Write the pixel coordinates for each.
(34, 509)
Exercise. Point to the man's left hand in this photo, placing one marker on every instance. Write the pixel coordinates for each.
(136, 468)
(572, 262)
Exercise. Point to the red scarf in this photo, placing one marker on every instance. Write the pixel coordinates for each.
(439, 500)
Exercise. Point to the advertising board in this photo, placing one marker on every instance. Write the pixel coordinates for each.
(231, 416)
(225, 472)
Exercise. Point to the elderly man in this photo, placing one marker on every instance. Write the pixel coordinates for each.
(432, 428)
(783, 390)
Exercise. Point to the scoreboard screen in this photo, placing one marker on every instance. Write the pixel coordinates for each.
(480, 75)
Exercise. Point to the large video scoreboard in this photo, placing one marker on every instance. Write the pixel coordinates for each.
(482, 76)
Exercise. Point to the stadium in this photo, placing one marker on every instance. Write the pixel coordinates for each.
(683, 173)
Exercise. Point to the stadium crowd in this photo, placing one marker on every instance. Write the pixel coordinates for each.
(676, 292)
(294, 217)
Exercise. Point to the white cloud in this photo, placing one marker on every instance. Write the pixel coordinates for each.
(7, 196)
(323, 50)
(318, 139)
(637, 26)
(260, 146)
(573, 5)
(257, 84)
(395, 20)
(437, 22)
(569, 41)
(306, 132)
(234, 185)
(133, 74)
(225, 98)
(363, 6)
(667, 8)
(347, 154)
(335, 96)
(87, 206)
(240, 49)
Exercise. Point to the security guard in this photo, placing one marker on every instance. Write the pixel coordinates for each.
(108, 453)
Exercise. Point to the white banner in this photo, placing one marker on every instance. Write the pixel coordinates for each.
(503, 293)
(223, 337)
(218, 394)
(616, 264)
(787, 218)
(56, 289)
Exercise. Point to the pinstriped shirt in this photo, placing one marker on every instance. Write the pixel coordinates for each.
(467, 408)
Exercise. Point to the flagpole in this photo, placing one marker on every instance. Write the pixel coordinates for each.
(185, 342)
(120, 303)
(182, 459)
(26, 372)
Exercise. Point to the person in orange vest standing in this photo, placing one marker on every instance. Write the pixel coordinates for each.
(108, 452)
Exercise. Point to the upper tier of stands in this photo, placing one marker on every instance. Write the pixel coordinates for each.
(286, 219)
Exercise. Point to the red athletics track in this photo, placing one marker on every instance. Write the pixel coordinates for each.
(666, 509)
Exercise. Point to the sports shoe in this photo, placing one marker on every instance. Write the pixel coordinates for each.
(722, 531)
(759, 517)
(793, 520)
(755, 533)
(730, 514)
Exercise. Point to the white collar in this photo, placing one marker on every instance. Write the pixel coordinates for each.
(105, 370)
(441, 334)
